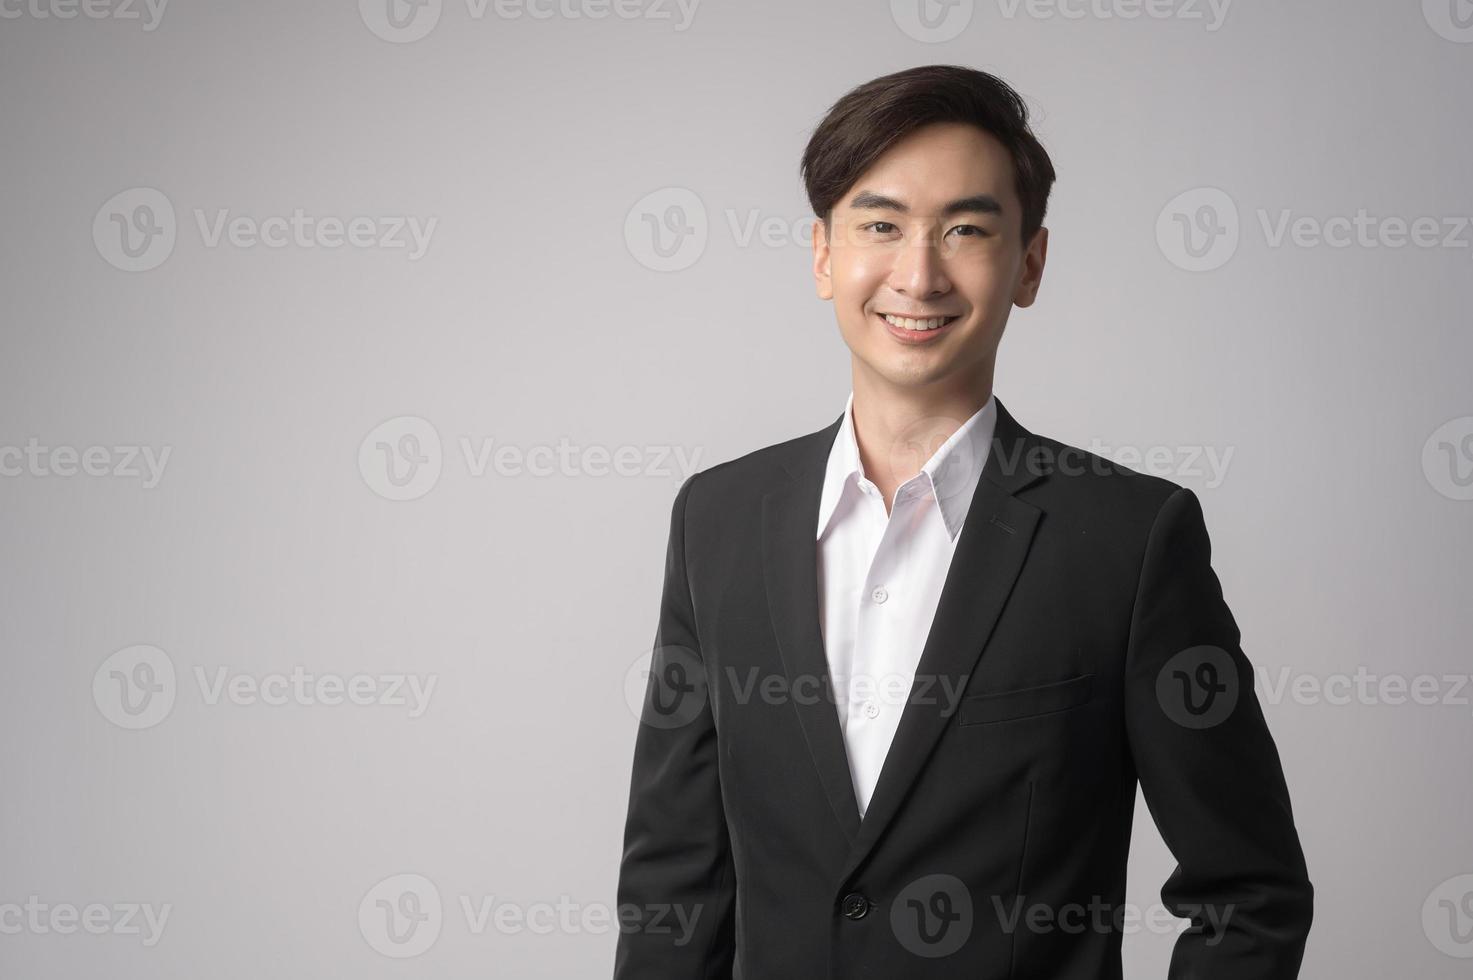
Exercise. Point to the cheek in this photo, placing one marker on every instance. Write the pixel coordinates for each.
(857, 274)
(986, 285)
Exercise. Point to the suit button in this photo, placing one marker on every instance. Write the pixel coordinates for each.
(854, 905)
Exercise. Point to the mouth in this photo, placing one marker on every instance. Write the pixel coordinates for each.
(917, 330)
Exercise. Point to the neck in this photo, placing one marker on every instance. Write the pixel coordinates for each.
(899, 428)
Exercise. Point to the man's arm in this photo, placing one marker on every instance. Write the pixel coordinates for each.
(1208, 767)
(677, 887)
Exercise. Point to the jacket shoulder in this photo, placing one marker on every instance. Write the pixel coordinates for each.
(1101, 482)
(764, 468)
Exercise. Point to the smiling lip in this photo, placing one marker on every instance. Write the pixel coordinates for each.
(917, 337)
(916, 316)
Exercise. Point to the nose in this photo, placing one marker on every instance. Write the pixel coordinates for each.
(919, 270)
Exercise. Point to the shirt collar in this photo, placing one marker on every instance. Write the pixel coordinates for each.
(951, 474)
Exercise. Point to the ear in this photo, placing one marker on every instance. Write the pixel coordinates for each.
(822, 273)
(1033, 262)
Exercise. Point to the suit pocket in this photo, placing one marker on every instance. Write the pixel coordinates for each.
(979, 709)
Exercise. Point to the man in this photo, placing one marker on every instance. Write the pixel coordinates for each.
(911, 667)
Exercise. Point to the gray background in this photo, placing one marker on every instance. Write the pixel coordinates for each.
(543, 313)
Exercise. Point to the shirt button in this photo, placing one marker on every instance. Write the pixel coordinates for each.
(879, 595)
(854, 906)
(871, 710)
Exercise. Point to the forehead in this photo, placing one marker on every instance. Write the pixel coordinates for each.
(940, 163)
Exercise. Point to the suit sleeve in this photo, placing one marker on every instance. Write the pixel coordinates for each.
(677, 886)
(1208, 767)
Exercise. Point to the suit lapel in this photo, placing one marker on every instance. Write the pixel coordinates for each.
(994, 541)
(790, 567)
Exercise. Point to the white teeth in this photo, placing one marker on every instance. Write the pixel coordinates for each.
(906, 323)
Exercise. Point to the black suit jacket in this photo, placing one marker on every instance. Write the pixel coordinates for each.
(1085, 643)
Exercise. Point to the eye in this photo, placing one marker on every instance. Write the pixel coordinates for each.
(882, 227)
(975, 232)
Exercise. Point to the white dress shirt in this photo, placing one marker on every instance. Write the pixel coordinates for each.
(880, 578)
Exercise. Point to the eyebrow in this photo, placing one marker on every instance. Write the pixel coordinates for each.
(976, 204)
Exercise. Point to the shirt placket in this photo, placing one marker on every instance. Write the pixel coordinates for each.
(881, 619)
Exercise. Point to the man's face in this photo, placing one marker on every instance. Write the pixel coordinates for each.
(931, 230)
